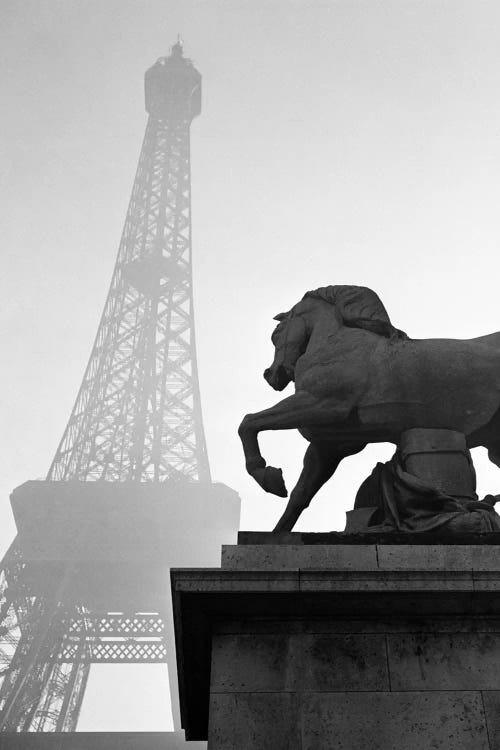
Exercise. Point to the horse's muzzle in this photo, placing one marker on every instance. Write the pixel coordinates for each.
(278, 377)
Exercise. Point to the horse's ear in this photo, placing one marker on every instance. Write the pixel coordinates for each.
(280, 316)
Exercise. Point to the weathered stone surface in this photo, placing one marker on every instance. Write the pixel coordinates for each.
(407, 580)
(250, 663)
(491, 538)
(340, 662)
(298, 662)
(253, 721)
(486, 580)
(348, 721)
(491, 703)
(293, 557)
(444, 661)
(361, 557)
(474, 557)
(428, 557)
(485, 557)
(383, 624)
(394, 721)
(210, 579)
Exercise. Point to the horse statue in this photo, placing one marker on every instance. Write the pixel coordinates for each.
(360, 380)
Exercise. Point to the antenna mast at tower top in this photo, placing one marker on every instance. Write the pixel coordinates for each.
(137, 415)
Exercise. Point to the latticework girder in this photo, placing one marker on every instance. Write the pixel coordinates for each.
(47, 647)
(117, 637)
(138, 415)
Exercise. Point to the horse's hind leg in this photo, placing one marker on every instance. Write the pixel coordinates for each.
(320, 462)
(489, 438)
(494, 454)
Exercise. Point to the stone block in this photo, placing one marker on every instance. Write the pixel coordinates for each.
(249, 663)
(486, 580)
(485, 557)
(343, 581)
(298, 662)
(293, 557)
(424, 557)
(253, 721)
(376, 581)
(384, 624)
(394, 721)
(331, 662)
(444, 661)
(439, 557)
(212, 580)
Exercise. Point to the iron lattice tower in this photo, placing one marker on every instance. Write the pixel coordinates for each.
(137, 418)
(137, 415)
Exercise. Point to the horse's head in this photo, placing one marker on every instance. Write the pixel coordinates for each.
(350, 306)
(290, 339)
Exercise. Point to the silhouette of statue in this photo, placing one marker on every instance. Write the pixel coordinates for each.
(360, 380)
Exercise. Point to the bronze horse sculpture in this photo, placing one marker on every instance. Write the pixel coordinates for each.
(359, 380)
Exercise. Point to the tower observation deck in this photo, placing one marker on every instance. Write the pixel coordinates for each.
(129, 492)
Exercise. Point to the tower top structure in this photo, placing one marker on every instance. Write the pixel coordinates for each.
(173, 87)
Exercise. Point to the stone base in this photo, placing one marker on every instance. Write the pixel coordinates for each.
(348, 647)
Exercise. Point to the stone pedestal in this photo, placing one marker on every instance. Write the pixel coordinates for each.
(341, 646)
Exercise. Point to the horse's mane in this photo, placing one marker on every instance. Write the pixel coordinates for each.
(360, 307)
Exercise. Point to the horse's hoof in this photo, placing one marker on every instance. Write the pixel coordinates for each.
(273, 481)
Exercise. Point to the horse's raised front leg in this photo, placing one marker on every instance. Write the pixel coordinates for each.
(320, 462)
(300, 410)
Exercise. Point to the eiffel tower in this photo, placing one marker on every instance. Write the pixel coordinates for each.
(129, 492)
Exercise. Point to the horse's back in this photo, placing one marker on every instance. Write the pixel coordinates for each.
(491, 339)
(449, 383)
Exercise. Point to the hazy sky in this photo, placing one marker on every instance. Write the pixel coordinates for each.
(339, 142)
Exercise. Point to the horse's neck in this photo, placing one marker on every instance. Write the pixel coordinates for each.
(324, 325)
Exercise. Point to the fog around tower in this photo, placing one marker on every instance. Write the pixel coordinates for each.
(339, 142)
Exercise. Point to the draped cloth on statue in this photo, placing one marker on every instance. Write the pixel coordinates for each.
(400, 501)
